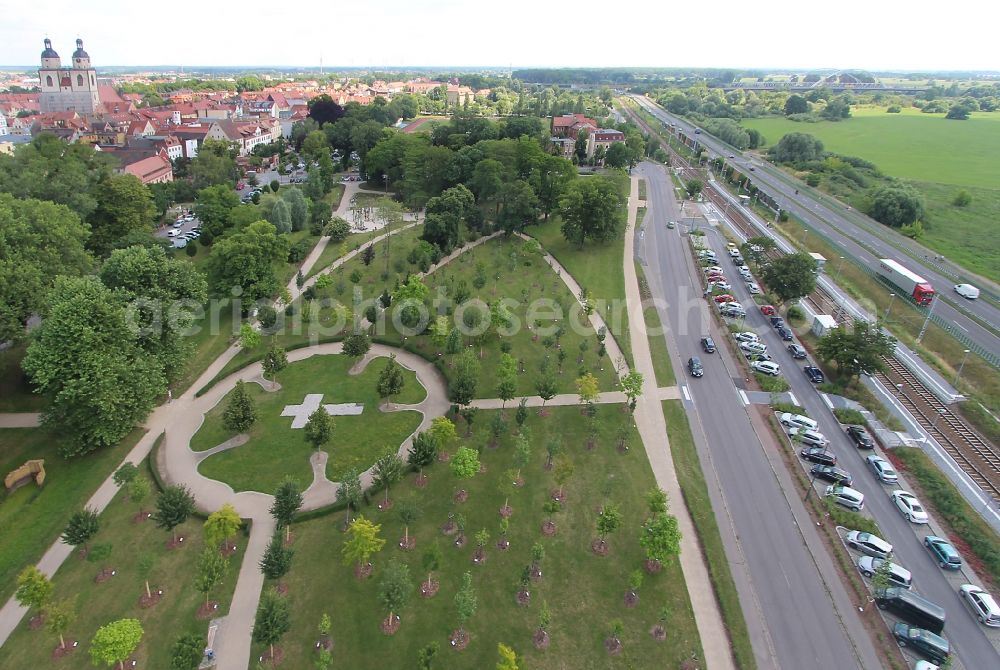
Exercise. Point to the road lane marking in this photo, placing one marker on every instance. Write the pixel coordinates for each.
(826, 399)
(795, 401)
(960, 326)
(684, 390)
(743, 396)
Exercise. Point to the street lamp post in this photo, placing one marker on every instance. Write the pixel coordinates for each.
(961, 367)
(940, 413)
(899, 390)
(923, 328)
(885, 319)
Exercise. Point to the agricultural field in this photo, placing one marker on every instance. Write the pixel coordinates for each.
(911, 144)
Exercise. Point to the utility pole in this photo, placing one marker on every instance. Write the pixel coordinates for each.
(923, 328)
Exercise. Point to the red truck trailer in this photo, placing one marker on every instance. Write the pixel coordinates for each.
(913, 284)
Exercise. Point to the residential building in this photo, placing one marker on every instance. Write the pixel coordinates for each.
(602, 137)
(153, 170)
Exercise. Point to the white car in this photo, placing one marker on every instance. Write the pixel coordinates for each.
(178, 223)
(172, 232)
(766, 368)
(747, 336)
(967, 291)
(753, 288)
(898, 575)
(722, 285)
(189, 217)
(909, 506)
(714, 269)
(982, 604)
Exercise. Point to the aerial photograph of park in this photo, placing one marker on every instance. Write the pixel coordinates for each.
(453, 336)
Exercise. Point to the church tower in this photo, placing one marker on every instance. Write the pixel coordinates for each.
(68, 88)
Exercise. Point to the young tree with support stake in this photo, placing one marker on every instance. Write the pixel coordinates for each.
(275, 360)
(388, 471)
(363, 541)
(545, 385)
(465, 605)
(34, 589)
(431, 561)
(115, 642)
(277, 559)
(287, 502)
(394, 591)
(211, 569)
(241, 411)
(59, 617)
(319, 428)
(390, 380)
(173, 507)
(221, 525)
(272, 620)
(422, 452)
(81, 528)
(632, 387)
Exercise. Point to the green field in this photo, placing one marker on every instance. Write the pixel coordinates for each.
(584, 592)
(912, 145)
(274, 450)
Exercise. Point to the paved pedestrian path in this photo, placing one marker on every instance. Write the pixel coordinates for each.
(20, 420)
(653, 430)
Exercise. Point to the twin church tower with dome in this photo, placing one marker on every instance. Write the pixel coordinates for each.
(66, 89)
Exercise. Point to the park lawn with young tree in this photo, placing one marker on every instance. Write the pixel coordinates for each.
(275, 450)
(132, 544)
(578, 625)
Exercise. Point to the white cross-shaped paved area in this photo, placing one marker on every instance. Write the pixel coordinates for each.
(310, 405)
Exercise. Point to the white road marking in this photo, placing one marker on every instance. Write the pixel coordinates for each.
(826, 400)
(684, 390)
(960, 326)
(743, 395)
(795, 401)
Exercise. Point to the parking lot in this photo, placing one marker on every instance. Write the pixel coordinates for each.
(184, 229)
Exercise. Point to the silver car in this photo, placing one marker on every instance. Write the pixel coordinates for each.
(869, 544)
(882, 469)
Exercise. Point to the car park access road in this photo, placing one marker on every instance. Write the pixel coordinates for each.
(968, 638)
(852, 232)
(797, 609)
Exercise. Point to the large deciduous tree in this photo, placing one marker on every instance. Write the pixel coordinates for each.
(796, 104)
(124, 205)
(896, 205)
(38, 241)
(87, 360)
(462, 387)
(592, 210)
(34, 588)
(797, 148)
(277, 559)
(245, 259)
(214, 205)
(856, 350)
(791, 276)
(319, 428)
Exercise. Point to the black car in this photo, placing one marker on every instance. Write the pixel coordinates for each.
(814, 373)
(694, 367)
(860, 437)
(708, 345)
(796, 351)
(785, 334)
(832, 474)
(777, 322)
(737, 260)
(819, 455)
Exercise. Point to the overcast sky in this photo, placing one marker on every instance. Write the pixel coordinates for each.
(867, 34)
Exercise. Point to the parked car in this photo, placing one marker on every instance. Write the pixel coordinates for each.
(766, 368)
(767, 310)
(869, 544)
(733, 252)
(721, 284)
(754, 347)
(172, 232)
(796, 351)
(695, 367)
(713, 268)
(814, 373)
(810, 438)
(898, 575)
(927, 644)
(753, 288)
(944, 552)
(178, 223)
(909, 506)
(785, 334)
(708, 344)
(846, 497)
(797, 421)
(751, 357)
(725, 297)
(747, 336)
(819, 455)
(738, 260)
(860, 437)
(733, 310)
(882, 469)
(982, 604)
(832, 473)
(776, 321)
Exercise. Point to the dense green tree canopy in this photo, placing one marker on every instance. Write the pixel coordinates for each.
(38, 241)
(856, 350)
(896, 205)
(791, 276)
(245, 259)
(124, 206)
(90, 364)
(592, 210)
(797, 147)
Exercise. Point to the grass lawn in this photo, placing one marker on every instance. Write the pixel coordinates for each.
(15, 390)
(958, 232)
(912, 145)
(332, 250)
(695, 492)
(117, 598)
(32, 518)
(584, 592)
(275, 450)
(662, 368)
(596, 267)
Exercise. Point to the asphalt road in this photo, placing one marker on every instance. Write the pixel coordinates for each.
(715, 390)
(848, 228)
(789, 600)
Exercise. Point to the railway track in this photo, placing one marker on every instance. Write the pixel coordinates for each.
(976, 456)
